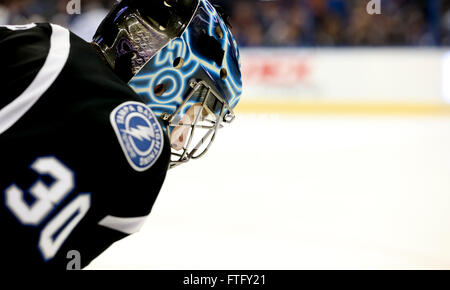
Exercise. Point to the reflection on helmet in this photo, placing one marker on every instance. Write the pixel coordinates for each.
(198, 62)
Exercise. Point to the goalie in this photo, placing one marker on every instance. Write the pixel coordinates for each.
(89, 130)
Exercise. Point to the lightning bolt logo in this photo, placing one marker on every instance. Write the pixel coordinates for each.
(141, 133)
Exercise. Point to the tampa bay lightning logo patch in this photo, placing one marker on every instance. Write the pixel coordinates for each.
(139, 133)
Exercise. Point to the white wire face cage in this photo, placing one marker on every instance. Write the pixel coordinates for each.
(192, 128)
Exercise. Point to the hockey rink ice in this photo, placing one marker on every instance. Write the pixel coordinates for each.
(304, 192)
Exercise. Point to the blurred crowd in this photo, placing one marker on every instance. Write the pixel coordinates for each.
(341, 22)
(279, 22)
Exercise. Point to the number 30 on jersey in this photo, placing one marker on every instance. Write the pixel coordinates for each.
(47, 199)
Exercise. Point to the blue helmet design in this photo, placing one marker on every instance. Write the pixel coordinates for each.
(165, 80)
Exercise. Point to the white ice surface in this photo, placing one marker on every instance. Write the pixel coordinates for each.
(312, 192)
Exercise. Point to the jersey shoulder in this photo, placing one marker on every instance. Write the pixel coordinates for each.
(23, 51)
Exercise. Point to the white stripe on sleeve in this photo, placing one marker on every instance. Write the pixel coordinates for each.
(55, 62)
(124, 225)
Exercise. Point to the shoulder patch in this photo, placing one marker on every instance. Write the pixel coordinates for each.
(140, 134)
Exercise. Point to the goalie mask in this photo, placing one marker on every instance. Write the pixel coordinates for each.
(180, 56)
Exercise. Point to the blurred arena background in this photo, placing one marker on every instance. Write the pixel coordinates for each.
(340, 155)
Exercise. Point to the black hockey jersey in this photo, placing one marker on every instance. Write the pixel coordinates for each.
(82, 159)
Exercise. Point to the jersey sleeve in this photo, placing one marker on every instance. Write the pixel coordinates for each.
(23, 50)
